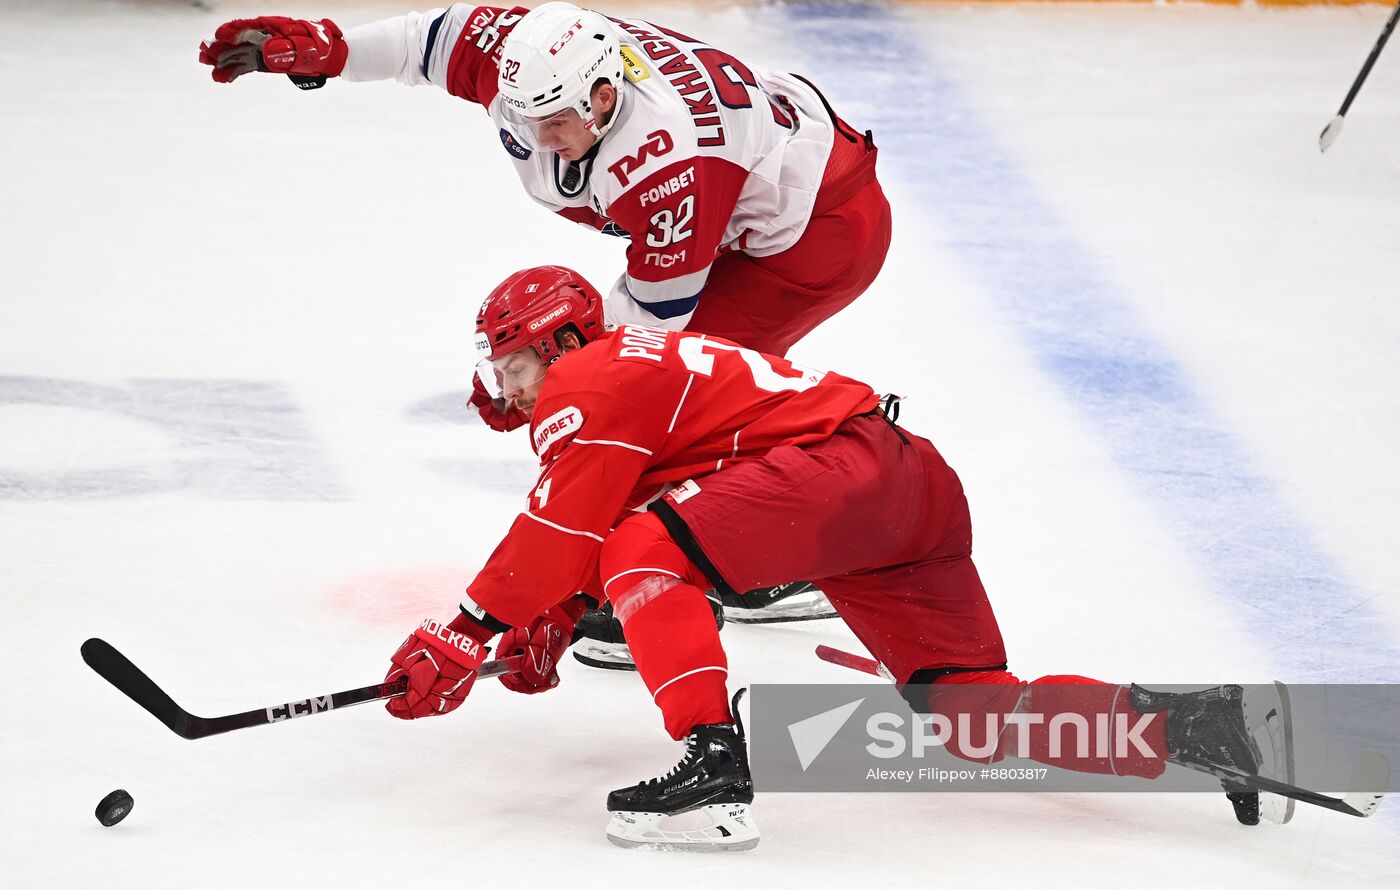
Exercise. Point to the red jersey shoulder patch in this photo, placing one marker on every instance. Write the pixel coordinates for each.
(556, 428)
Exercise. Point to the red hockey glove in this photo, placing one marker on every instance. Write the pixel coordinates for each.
(277, 44)
(440, 662)
(498, 415)
(543, 642)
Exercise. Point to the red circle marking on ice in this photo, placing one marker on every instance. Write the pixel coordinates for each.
(395, 597)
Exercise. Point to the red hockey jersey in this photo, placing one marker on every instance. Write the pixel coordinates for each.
(624, 419)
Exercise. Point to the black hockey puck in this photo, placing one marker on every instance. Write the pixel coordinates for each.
(114, 807)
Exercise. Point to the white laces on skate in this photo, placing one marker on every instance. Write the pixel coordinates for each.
(692, 754)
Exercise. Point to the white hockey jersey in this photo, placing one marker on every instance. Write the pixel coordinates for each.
(705, 154)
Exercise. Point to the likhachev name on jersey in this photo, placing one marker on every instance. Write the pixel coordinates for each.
(704, 152)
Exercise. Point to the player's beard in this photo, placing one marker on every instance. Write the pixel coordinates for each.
(527, 408)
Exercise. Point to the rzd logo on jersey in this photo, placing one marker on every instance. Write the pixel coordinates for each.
(657, 144)
(557, 426)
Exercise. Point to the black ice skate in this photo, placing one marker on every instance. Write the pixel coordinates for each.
(1218, 726)
(794, 601)
(598, 640)
(702, 804)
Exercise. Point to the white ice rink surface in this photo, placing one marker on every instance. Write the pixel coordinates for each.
(1156, 332)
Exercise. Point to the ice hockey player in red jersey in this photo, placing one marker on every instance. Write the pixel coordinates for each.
(668, 460)
(752, 210)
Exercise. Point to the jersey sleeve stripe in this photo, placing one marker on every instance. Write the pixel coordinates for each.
(432, 42)
(650, 291)
(564, 529)
(670, 308)
(687, 674)
(629, 446)
(685, 392)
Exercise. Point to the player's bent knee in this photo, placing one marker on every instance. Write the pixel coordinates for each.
(639, 562)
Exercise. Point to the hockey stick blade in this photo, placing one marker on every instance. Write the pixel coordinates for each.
(1334, 128)
(832, 655)
(303, 82)
(1371, 771)
(1331, 132)
(855, 662)
(118, 670)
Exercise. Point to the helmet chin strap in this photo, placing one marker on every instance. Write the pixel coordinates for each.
(594, 126)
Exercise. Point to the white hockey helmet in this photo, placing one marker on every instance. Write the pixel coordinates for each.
(552, 58)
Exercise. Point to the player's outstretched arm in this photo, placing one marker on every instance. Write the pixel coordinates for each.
(275, 44)
(456, 48)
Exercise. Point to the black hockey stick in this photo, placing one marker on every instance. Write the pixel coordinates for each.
(118, 670)
(1334, 126)
(1371, 770)
(305, 82)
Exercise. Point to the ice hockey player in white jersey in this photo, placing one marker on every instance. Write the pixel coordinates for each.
(752, 211)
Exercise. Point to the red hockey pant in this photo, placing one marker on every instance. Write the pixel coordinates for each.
(878, 520)
(769, 303)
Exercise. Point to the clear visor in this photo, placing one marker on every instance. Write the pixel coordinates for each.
(510, 375)
(550, 132)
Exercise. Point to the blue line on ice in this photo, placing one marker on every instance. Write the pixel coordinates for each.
(1085, 336)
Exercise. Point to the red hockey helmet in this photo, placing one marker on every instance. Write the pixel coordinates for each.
(532, 308)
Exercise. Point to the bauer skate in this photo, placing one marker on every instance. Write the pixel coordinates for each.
(598, 640)
(1220, 726)
(794, 601)
(701, 805)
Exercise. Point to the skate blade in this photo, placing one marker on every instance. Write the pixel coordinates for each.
(717, 828)
(1271, 719)
(810, 606)
(608, 656)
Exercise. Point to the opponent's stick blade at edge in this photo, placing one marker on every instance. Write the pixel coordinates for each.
(1331, 132)
(118, 670)
(1334, 126)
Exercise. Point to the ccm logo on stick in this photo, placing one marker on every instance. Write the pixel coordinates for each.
(299, 708)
